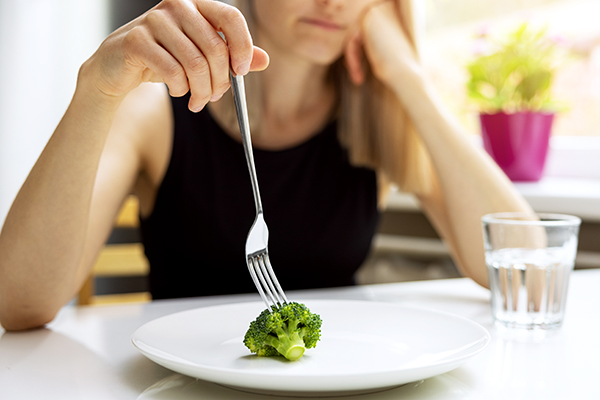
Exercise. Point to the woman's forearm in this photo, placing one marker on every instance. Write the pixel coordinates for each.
(43, 237)
(470, 183)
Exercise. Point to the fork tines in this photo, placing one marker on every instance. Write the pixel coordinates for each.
(265, 280)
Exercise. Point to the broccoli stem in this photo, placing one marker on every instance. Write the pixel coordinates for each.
(291, 346)
(295, 352)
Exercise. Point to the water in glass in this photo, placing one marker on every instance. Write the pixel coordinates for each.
(529, 286)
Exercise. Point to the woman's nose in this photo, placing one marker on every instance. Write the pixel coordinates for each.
(330, 3)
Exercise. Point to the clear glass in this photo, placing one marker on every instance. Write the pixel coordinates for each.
(529, 260)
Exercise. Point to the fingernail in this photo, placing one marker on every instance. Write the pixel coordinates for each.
(244, 68)
(216, 97)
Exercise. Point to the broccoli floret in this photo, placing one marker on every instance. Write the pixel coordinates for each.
(286, 330)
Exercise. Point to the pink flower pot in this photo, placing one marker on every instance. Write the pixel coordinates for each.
(518, 142)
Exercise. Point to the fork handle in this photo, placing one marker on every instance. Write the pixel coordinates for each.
(239, 97)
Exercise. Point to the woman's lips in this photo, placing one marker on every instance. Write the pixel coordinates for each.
(323, 24)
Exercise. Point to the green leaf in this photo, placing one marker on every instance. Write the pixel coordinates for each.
(517, 75)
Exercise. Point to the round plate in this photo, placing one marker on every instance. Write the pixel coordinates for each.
(364, 346)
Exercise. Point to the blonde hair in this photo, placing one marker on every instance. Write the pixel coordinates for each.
(372, 124)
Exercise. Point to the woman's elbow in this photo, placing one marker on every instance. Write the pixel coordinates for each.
(481, 280)
(20, 319)
(475, 270)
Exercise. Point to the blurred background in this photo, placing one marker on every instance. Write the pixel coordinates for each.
(43, 43)
(450, 42)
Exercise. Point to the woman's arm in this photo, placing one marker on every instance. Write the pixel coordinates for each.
(467, 183)
(43, 237)
(66, 207)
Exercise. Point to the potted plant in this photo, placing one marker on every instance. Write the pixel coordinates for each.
(510, 81)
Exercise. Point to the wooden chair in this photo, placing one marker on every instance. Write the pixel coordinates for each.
(123, 257)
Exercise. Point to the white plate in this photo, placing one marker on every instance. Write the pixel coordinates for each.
(364, 346)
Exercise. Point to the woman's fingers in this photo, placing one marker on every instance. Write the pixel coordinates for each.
(201, 51)
(203, 29)
(216, 17)
(260, 59)
(142, 52)
(231, 22)
(205, 67)
(178, 42)
(354, 52)
(353, 57)
(386, 44)
(194, 40)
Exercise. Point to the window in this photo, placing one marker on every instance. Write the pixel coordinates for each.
(449, 38)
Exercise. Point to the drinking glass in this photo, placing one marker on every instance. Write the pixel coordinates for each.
(529, 259)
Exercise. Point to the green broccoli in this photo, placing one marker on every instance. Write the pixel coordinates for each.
(288, 330)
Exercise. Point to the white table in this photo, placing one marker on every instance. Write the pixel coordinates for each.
(86, 352)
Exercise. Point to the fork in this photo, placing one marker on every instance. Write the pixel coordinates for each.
(257, 253)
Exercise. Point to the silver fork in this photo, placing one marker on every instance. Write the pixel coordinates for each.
(257, 253)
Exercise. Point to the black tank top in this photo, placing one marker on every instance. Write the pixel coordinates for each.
(321, 212)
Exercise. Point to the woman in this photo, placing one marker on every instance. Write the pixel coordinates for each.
(332, 122)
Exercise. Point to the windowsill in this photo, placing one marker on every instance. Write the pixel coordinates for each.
(576, 196)
(574, 157)
(571, 182)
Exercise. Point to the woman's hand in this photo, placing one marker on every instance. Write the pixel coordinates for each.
(383, 40)
(177, 42)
